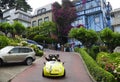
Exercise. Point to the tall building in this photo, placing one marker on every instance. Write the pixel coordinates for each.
(12, 15)
(42, 14)
(93, 14)
(116, 20)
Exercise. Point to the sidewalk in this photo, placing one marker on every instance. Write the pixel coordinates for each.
(9, 71)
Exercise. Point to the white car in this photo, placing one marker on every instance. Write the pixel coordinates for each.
(12, 54)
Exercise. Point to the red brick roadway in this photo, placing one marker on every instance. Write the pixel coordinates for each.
(75, 70)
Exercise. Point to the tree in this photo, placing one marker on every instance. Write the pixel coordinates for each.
(47, 28)
(116, 40)
(63, 16)
(106, 36)
(86, 37)
(19, 28)
(6, 28)
(42, 32)
(18, 4)
(111, 39)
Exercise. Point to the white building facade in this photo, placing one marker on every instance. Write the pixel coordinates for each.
(116, 20)
(12, 15)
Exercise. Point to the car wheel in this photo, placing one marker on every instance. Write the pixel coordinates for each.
(1, 62)
(43, 73)
(29, 61)
(64, 73)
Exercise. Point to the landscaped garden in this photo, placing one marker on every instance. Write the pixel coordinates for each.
(98, 53)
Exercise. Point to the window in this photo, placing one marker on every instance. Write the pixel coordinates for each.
(46, 19)
(34, 23)
(15, 50)
(40, 21)
(43, 10)
(25, 50)
(97, 19)
(39, 11)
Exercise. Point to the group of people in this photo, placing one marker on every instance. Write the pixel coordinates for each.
(52, 57)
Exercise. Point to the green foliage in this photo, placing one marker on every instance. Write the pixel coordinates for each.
(87, 37)
(41, 39)
(18, 4)
(99, 74)
(37, 50)
(19, 28)
(5, 27)
(43, 32)
(4, 41)
(103, 48)
(115, 40)
(110, 62)
(47, 27)
(106, 36)
(93, 51)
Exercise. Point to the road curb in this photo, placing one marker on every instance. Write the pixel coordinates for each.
(91, 77)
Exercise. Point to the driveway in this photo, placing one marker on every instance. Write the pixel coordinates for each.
(9, 71)
(75, 70)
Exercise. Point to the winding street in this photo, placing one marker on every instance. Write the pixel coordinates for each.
(75, 69)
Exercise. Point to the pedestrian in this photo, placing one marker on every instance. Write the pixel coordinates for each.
(58, 46)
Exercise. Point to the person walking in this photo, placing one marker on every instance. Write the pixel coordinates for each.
(58, 46)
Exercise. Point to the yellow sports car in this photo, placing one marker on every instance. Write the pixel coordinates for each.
(53, 69)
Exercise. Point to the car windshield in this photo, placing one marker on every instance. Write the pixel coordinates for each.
(6, 49)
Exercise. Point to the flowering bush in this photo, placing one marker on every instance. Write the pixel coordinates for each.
(110, 62)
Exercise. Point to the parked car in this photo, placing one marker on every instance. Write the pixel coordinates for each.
(12, 54)
(35, 43)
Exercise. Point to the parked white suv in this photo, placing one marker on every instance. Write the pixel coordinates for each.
(11, 54)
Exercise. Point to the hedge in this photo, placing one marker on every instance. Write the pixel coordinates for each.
(99, 74)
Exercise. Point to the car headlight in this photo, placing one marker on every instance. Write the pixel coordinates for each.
(47, 69)
(60, 69)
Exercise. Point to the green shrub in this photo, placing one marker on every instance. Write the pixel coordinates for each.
(39, 53)
(103, 48)
(94, 51)
(99, 74)
(4, 41)
(110, 62)
(102, 59)
(41, 39)
(37, 50)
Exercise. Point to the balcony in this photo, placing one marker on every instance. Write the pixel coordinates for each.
(93, 10)
(22, 17)
(115, 21)
(90, 11)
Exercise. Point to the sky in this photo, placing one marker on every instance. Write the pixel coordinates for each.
(39, 3)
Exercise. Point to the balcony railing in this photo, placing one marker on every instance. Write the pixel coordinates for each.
(115, 22)
(22, 17)
(89, 11)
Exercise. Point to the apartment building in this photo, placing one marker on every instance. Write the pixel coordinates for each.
(93, 14)
(12, 15)
(116, 20)
(42, 14)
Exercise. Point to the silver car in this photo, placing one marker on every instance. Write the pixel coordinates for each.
(12, 54)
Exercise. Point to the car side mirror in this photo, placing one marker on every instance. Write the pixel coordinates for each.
(10, 52)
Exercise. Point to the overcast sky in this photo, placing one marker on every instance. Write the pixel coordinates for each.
(39, 3)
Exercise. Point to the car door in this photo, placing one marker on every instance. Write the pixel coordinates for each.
(22, 54)
(11, 55)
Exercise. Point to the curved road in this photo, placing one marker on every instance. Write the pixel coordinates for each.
(75, 70)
